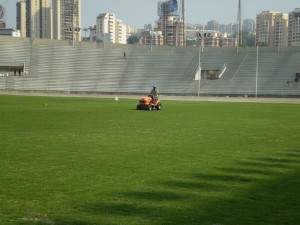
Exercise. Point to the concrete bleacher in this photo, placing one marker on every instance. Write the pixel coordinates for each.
(77, 69)
(15, 52)
(81, 69)
(274, 69)
(59, 66)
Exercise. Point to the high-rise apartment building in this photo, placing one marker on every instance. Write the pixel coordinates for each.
(170, 24)
(106, 27)
(21, 17)
(151, 38)
(272, 28)
(248, 25)
(67, 19)
(212, 25)
(294, 28)
(2, 24)
(111, 30)
(38, 18)
(2, 17)
(121, 32)
(281, 29)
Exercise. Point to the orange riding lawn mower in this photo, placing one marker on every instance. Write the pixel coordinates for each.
(149, 103)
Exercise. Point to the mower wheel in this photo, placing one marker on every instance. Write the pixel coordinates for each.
(158, 107)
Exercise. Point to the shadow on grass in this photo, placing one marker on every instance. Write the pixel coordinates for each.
(262, 191)
(257, 191)
(50, 222)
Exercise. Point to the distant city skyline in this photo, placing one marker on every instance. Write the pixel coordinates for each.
(137, 13)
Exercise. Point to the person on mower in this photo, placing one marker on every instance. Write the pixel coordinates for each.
(154, 93)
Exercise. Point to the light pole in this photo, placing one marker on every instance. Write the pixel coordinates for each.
(85, 30)
(256, 76)
(201, 37)
(199, 62)
(152, 31)
(73, 21)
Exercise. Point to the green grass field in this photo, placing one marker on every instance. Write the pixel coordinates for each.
(90, 161)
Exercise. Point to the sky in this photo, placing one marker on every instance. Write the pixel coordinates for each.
(137, 13)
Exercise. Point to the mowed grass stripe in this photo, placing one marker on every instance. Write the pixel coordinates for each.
(99, 161)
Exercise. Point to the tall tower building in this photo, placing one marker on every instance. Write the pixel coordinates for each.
(170, 24)
(2, 17)
(21, 17)
(38, 19)
(281, 29)
(294, 28)
(121, 32)
(111, 30)
(106, 27)
(272, 28)
(213, 25)
(67, 19)
(248, 25)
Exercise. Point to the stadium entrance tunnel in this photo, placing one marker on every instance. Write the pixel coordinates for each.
(11, 68)
(211, 72)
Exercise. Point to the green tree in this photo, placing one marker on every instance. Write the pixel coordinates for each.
(191, 42)
(133, 39)
(248, 39)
